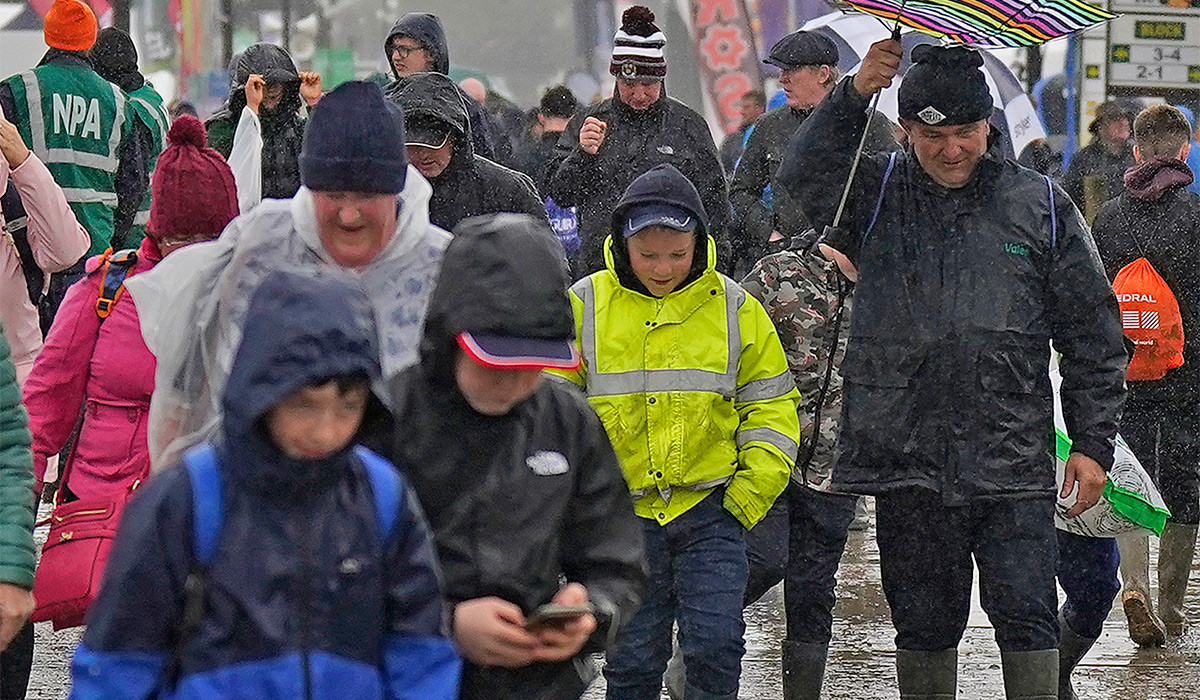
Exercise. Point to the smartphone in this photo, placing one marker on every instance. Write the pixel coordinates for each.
(552, 614)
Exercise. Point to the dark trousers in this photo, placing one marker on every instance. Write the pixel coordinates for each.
(1088, 571)
(925, 559)
(16, 662)
(800, 542)
(1166, 439)
(697, 577)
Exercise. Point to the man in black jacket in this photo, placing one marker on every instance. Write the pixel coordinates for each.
(1158, 218)
(608, 145)
(968, 267)
(534, 157)
(1094, 174)
(417, 44)
(763, 212)
(516, 473)
(440, 148)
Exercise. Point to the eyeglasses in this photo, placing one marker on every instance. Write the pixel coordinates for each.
(402, 51)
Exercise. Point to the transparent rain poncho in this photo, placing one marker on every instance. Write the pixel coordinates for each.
(192, 304)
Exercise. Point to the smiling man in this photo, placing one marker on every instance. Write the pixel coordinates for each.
(969, 267)
(361, 209)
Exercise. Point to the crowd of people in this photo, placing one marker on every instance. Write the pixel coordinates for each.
(396, 393)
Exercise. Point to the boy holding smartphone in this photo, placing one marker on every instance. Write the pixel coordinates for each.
(541, 552)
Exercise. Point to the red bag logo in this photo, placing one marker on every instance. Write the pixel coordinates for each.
(1150, 318)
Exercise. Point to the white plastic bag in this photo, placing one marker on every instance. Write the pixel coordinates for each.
(1130, 502)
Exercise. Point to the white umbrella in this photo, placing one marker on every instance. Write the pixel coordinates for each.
(854, 34)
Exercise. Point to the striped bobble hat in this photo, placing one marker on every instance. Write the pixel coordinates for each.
(638, 46)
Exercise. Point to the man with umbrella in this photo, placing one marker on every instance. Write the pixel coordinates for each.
(968, 267)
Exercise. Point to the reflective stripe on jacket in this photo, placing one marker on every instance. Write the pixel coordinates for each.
(148, 107)
(75, 121)
(693, 389)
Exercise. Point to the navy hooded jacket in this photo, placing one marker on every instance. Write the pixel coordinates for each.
(305, 597)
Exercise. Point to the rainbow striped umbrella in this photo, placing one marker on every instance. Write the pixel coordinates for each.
(989, 23)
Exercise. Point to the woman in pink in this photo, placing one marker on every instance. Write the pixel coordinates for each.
(102, 366)
(55, 237)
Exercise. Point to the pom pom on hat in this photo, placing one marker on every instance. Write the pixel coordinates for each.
(638, 46)
(638, 20)
(945, 87)
(192, 192)
(187, 131)
(70, 25)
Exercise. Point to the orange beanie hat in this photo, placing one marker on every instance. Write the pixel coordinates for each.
(70, 25)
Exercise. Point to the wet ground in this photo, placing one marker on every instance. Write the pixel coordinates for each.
(861, 662)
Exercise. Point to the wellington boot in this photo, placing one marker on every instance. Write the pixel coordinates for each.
(1145, 629)
(1072, 648)
(927, 675)
(803, 670)
(1175, 550)
(1030, 675)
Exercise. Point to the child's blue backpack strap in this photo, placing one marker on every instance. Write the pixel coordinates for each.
(887, 174)
(385, 487)
(1053, 214)
(208, 507)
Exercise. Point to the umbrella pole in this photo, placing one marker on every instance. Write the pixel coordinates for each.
(862, 143)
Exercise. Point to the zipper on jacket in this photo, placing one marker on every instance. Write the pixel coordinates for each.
(306, 615)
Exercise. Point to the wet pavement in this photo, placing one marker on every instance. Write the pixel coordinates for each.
(862, 653)
(861, 662)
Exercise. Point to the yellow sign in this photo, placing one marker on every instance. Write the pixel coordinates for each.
(1170, 31)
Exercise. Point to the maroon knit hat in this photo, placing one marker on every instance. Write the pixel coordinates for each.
(192, 194)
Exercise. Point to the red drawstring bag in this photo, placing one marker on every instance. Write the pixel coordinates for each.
(1150, 318)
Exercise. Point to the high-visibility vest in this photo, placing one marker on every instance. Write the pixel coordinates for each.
(149, 108)
(75, 121)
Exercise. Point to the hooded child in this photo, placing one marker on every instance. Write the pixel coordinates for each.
(312, 565)
(520, 482)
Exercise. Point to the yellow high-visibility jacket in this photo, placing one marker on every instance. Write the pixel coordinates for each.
(693, 389)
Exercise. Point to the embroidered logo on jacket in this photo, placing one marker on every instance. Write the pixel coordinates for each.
(546, 463)
(666, 150)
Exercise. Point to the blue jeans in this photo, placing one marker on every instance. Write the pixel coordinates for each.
(800, 542)
(1088, 574)
(697, 577)
(925, 561)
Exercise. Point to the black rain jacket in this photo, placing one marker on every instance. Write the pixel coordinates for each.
(282, 127)
(427, 30)
(959, 295)
(471, 185)
(1159, 218)
(667, 132)
(505, 525)
(753, 220)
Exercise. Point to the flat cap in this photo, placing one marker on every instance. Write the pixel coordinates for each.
(803, 48)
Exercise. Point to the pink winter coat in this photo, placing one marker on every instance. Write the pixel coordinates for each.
(109, 367)
(57, 241)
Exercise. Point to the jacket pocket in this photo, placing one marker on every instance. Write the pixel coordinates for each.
(879, 402)
(1013, 435)
(881, 364)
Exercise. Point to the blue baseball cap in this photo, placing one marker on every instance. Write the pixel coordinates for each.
(656, 214)
(510, 352)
